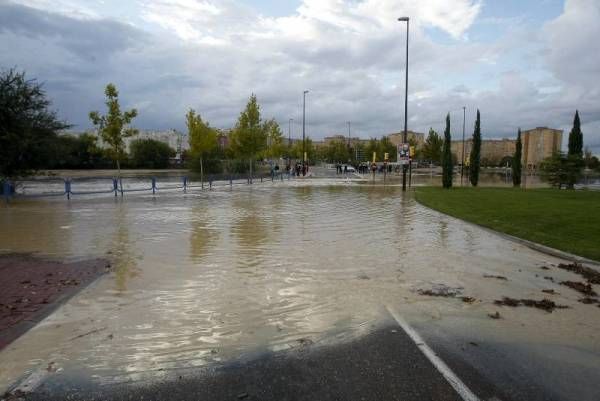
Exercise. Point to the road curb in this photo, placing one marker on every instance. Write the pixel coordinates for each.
(529, 244)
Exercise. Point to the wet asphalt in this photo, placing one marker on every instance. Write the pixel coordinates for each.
(384, 365)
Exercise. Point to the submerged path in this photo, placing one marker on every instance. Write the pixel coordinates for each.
(224, 288)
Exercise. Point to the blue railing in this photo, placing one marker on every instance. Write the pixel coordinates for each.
(55, 187)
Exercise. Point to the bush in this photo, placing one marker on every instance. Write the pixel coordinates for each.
(150, 153)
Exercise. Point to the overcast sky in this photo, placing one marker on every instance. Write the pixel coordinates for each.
(523, 63)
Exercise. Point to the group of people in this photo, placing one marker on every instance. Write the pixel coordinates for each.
(297, 170)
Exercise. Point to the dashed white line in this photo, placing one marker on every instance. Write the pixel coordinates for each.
(460, 387)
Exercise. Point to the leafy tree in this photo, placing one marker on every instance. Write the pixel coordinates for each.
(310, 149)
(202, 139)
(516, 163)
(447, 166)
(385, 146)
(275, 146)
(590, 160)
(372, 147)
(561, 170)
(475, 156)
(150, 153)
(249, 136)
(113, 127)
(336, 151)
(27, 125)
(432, 149)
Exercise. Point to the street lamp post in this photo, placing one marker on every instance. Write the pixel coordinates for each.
(405, 138)
(304, 130)
(462, 155)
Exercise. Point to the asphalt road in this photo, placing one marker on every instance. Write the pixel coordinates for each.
(384, 365)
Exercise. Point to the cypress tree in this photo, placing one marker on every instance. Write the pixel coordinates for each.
(447, 168)
(475, 156)
(516, 163)
(574, 161)
(576, 138)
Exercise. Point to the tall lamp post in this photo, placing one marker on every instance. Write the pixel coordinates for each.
(291, 120)
(405, 138)
(304, 128)
(462, 155)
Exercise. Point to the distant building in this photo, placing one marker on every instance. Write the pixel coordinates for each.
(493, 151)
(538, 144)
(417, 137)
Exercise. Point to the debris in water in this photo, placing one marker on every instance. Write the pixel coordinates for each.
(588, 301)
(363, 277)
(589, 274)
(550, 292)
(473, 343)
(496, 277)
(440, 290)
(549, 278)
(468, 300)
(544, 304)
(544, 268)
(580, 287)
(494, 315)
(305, 342)
(242, 396)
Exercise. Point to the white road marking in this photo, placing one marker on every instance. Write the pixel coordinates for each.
(460, 387)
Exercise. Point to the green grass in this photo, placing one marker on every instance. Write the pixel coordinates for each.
(565, 220)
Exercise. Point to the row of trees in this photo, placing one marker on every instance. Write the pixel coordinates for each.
(474, 156)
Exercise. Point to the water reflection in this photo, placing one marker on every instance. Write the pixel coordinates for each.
(203, 235)
(123, 253)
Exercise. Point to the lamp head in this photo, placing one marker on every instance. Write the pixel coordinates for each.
(404, 19)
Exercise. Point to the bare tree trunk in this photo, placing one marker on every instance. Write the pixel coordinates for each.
(250, 170)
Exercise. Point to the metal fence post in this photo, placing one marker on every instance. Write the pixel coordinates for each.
(6, 190)
(230, 182)
(153, 185)
(121, 184)
(184, 184)
(68, 188)
(210, 180)
(115, 186)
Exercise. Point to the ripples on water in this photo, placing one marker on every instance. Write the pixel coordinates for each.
(210, 275)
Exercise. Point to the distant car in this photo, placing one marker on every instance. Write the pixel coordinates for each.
(349, 168)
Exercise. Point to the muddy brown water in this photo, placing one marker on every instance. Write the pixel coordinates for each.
(214, 275)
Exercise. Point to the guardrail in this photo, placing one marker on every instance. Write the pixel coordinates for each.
(68, 187)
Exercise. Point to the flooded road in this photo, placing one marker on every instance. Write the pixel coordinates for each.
(215, 275)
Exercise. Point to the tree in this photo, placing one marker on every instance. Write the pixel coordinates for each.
(561, 170)
(202, 139)
(576, 137)
(475, 156)
(309, 148)
(516, 163)
(113, 127)
(27, 125)
(432, 149)
(336, 151)
(150, 153)
(249, 136)
(386, 146)
(447, 166)
(275, 146)
(589, 159)
(575, 162)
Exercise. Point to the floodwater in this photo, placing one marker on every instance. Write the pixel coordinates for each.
(214, 275)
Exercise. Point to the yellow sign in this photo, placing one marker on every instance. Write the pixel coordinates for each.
(304, 156)
(468, 160)
(386, 156)
(374, 156)
(412, 151)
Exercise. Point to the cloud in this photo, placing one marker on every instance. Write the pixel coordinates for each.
(170, 55)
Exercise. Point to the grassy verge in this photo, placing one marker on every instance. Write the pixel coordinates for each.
(565, 220)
